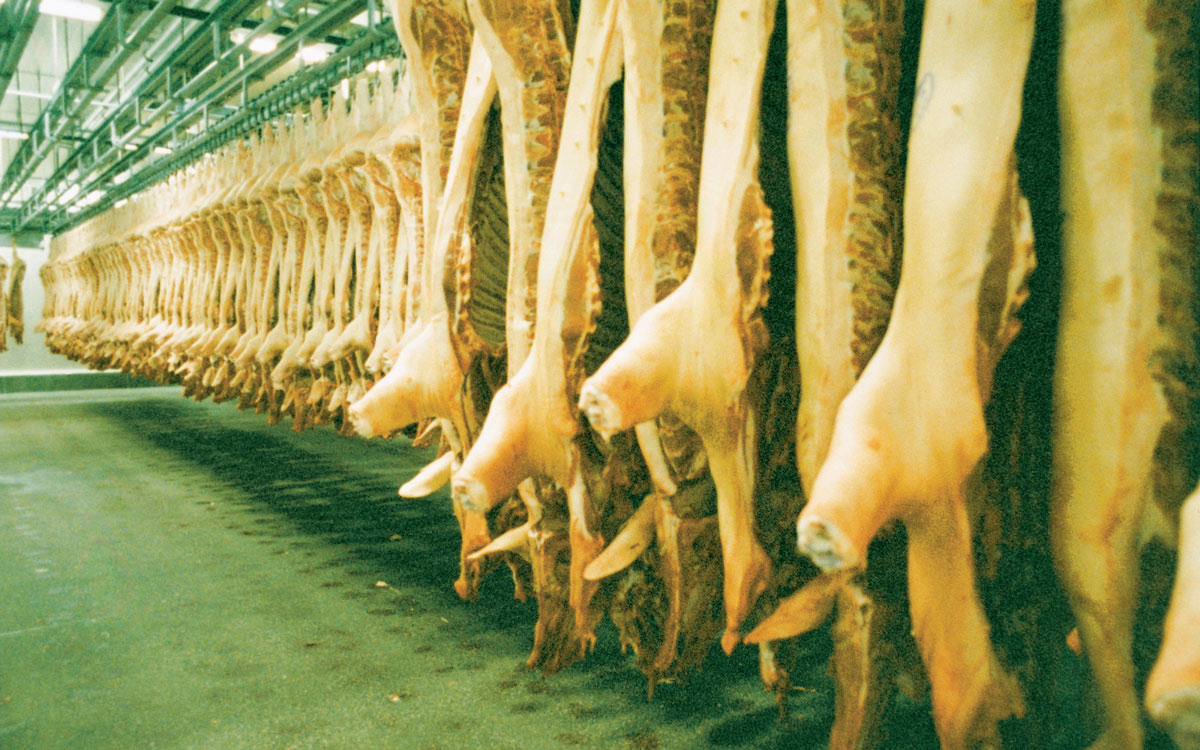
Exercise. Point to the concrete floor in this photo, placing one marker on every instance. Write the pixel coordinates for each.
(182, 575)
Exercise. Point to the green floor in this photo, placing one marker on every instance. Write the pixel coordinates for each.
(182, 575)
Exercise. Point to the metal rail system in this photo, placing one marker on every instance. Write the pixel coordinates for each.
(284, 97)
(198, 78)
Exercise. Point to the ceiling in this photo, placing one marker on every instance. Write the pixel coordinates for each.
(92, 111)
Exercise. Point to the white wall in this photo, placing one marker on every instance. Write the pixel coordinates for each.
(32, 356)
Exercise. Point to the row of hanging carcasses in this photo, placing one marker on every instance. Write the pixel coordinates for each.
(630, 261)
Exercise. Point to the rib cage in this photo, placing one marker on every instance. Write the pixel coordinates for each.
(611, 324)
(293, 272)
(481, 283)
(528, 43)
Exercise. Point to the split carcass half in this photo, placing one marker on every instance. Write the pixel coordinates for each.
(454, 95)
(437, 41)
(844, 151)
(528, 45)
(426, 379)
(667, 48)
(529, 52)
(1127, 377)
(230, 319)
(357, 292)
(530, 437)
(692, 354)
(910, 434)
(281, 363)
(332, 275)
(3, 305)
(387, 221)
(15, 306)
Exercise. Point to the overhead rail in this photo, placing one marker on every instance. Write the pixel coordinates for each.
(165, 56)
(368, 46)
(81, 84)
(192, 14)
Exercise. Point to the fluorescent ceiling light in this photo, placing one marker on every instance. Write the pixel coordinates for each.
(237, 36)
(74, 9)
(13, 135)
(376, 67)
(130, 147)
(162, 150)
(120, 203)
(31, 94)
(263, 44)
(314, 53)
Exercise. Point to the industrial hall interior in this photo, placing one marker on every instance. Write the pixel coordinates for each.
(611, 374)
